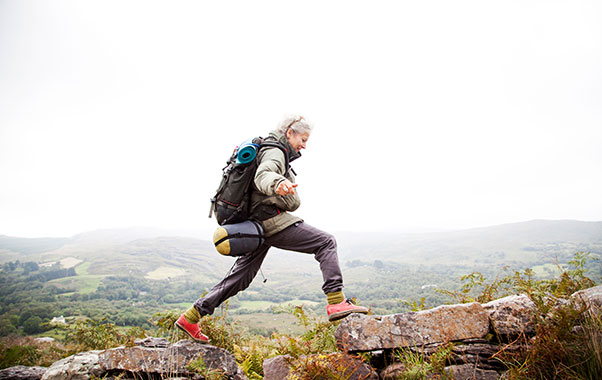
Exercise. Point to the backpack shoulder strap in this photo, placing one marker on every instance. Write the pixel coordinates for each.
(273, 143)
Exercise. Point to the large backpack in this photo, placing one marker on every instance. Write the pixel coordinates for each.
(232, 201)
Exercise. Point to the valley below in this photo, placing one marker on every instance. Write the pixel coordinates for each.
(126, 276)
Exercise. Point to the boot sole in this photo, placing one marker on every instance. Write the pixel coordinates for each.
(342, 314)
(190, 335)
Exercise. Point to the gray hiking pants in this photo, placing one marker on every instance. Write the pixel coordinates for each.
(299, 237)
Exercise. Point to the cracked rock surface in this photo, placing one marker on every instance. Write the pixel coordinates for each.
(442, 324)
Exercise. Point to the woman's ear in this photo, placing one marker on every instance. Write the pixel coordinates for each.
(289, 133)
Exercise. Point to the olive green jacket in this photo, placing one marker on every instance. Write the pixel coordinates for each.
(267, 206)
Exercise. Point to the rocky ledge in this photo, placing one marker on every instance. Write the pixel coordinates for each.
(478, 332)
(148, 359)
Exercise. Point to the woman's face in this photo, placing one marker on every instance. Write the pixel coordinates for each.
(297, 140)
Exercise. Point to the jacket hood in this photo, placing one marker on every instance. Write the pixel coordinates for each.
(292, 153)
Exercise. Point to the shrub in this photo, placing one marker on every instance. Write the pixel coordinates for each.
(476, 288)
(220, 330)
(90, 334)
(250, 357)
(33, 325)
(198, 366)
(474, 283)
(18, 355)
(318, 336)
(566, 346)
(19, 350)
(164, 321)
(418, 366)
(337, 366)
(592, 336)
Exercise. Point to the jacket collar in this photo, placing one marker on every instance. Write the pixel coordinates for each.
(292, 154)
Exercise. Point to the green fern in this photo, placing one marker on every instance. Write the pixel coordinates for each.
(198, 366)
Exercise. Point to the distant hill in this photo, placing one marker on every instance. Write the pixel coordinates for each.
(524, 242)
(140, 251)
(28, 246)
(125, 235)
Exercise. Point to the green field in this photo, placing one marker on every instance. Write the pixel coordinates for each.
(267, 305)
(280, 323)
(546, 270)
(82, 269)
(80, 284)
(165, 272)
(83, 283)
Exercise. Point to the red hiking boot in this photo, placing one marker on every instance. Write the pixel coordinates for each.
(192, 329)
(343, 309)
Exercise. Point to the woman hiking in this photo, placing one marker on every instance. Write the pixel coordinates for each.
(273, 197)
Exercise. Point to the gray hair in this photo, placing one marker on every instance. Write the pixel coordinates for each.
(297, 123)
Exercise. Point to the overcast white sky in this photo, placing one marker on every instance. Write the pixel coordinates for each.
(427, 114)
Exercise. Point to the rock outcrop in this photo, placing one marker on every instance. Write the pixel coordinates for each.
(511, 316)
(150, 358)
(441, 324)
(590, 299)
(21, 372)
(470, 372)
(349, 367)
(277, 367)
(171, 360)
(478, 333)
(81, 366)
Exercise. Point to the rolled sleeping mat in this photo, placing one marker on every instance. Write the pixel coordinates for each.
(238, 239)
(246, 152)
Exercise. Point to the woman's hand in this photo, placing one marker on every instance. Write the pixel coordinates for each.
(286, 187)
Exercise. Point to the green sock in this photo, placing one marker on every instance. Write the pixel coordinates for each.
(335, 297)
(192, 315)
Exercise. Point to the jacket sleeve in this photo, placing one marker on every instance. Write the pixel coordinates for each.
(270, 171)
(269, 174)
(289, 202)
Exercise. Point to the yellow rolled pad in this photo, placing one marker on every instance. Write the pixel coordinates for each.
(224, 246)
